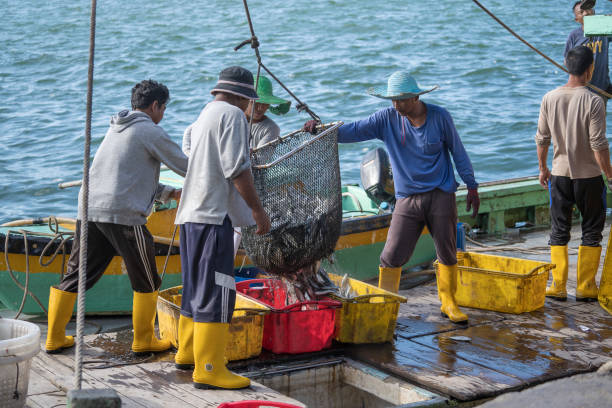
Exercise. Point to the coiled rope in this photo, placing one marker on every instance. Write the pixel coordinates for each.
(561, 67)
(301, 106)
(63, 236)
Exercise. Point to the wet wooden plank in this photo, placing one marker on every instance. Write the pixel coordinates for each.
(58, 369)
(507, 348)
(46, 400)
(420, 315)
(437, 371)
(182, 380)
(142, 384)
(138, 388)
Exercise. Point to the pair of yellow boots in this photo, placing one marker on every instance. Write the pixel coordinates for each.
(61, 305)
(203, 345)
(389, 279)
(588, 263)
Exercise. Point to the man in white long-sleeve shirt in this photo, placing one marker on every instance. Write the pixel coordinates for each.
(124, 183)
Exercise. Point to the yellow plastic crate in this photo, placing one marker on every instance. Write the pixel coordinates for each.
(501, 283)
(245, 330)
(369, 317)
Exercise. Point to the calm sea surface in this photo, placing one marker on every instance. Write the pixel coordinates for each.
(327, 52)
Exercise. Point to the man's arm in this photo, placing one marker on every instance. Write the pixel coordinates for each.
(544, 171)
(454, 144)
(167, 152)
(246, 188)
(603, 160)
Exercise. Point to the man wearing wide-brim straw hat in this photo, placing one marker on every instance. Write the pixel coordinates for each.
(421, 138)
(218, 193)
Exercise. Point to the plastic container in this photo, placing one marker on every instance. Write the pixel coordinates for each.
(460, 237)
(246, 327)
(369, 317)
(500, 283)
(19, 342)
(295, 328)
(257, 404)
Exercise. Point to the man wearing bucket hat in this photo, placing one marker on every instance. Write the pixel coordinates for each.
(420, 138)
(218, 193)
(263, 129)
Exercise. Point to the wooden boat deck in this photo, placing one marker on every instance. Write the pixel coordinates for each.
(494, 354)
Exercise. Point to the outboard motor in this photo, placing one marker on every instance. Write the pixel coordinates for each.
(376, 176)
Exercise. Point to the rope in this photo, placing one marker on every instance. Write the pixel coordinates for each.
(78, 366)
(561, 67)
(168, 255)
(61, 246)
(26, 290)
(301, 106)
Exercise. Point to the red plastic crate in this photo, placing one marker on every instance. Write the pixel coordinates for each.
(297, 328)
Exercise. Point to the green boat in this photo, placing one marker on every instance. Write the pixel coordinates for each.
(364, 231)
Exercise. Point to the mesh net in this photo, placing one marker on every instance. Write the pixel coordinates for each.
(298, 181)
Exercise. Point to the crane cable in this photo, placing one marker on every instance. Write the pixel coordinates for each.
(301, 106)
(561, 67)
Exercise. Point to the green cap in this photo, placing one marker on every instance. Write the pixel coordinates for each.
(278, 106)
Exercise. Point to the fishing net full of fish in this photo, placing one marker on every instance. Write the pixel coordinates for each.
(297, 178)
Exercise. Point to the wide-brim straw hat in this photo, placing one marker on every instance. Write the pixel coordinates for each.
(400, 85)
(278, 106)
(237, 81)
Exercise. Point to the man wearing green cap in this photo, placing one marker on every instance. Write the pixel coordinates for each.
(421, 139)
(263, 129)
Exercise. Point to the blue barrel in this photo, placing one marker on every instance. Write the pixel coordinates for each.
(460, 237)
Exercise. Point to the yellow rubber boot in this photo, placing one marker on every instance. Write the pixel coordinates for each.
(389, 278)
(558, 256)
(61, 305)
(143, 319)
(605, 284)
(447, 286)
(588, 263)
(184, 356)
(209, 342)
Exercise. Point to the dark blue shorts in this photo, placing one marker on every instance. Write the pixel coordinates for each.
(207, 262)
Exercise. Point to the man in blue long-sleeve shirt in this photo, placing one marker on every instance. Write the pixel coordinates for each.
(420, 138)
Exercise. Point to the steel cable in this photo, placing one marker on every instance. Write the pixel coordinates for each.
(561, 67)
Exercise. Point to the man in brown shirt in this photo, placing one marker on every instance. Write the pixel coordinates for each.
(574, 119)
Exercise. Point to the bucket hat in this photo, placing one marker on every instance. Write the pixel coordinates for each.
(264, 90)
(400, 85)
(237, 81)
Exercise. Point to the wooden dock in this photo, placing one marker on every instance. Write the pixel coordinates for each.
(496, 353)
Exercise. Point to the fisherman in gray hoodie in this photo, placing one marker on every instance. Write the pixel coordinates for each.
(124, 183)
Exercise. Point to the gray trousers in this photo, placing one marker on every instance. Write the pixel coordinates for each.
(436, 210)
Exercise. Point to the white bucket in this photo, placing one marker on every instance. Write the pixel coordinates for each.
(19, 342)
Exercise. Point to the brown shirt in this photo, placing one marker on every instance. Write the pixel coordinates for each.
(575, 120)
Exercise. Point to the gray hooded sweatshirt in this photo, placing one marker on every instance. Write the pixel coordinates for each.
(124, 175)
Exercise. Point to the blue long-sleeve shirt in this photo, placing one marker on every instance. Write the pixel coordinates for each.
(420, 156)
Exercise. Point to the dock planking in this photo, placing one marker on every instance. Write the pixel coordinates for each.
(151, 384)
(504, 352)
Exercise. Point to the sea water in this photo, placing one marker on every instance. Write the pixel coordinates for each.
(328, 53)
